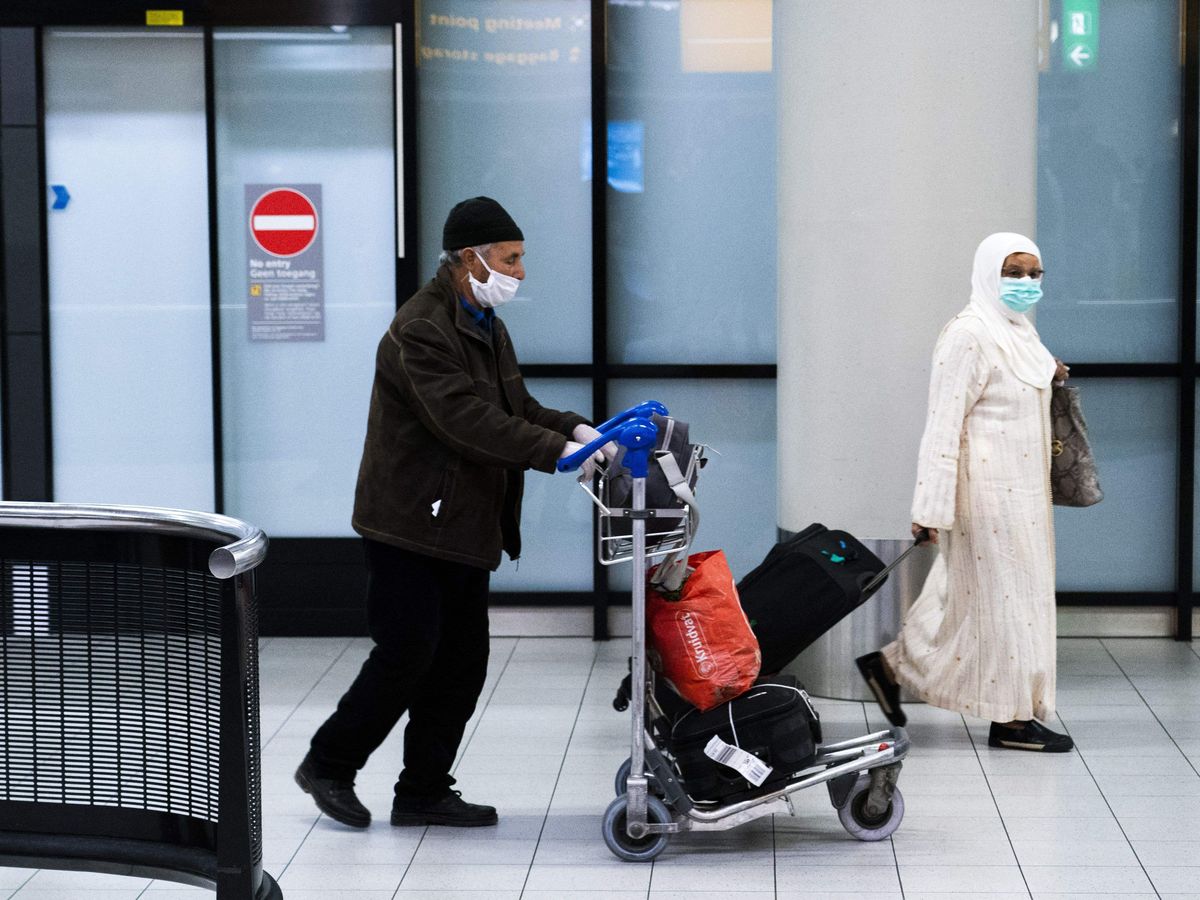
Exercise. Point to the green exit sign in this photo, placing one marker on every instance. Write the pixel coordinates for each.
(1080, 34)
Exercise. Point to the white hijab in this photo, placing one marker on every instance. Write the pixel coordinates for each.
(1012, 331)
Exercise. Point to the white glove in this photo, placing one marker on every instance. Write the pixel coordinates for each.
(587, 469)
(585, 434)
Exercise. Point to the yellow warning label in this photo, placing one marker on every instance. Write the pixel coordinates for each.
(164, 17)
(256, 290)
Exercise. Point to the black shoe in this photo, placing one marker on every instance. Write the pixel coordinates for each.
(886, 691)
(334, 797)
(1032, 735)
(449, 809)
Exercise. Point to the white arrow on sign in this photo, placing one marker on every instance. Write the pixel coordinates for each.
(1080, 55)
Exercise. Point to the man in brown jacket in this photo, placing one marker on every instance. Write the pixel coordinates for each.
(450, 431)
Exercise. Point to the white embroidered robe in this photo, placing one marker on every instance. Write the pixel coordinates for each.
(980, 638)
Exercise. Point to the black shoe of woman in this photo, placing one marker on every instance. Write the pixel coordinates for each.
(886, 691)
(1031, 735)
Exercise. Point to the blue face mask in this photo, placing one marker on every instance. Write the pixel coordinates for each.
(1020, 294)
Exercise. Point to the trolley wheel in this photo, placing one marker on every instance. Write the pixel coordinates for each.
(623, 776)
(863, 826)
(631, 849)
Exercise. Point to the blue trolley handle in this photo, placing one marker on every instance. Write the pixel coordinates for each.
(638, 442)
(638, 437)
(641, 411)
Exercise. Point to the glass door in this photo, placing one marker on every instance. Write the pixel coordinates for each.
(307, 249)
(130, 299)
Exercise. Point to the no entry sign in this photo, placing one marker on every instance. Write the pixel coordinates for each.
(286, 299)
(283, 222)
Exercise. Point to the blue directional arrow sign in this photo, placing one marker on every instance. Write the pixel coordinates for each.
(61, 197)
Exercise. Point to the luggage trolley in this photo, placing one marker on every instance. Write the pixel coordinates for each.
(652, 802)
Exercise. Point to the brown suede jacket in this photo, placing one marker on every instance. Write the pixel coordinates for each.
(450, 432)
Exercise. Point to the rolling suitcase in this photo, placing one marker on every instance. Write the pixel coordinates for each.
(805, 586)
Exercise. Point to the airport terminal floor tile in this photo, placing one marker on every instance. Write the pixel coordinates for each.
(1116, 818)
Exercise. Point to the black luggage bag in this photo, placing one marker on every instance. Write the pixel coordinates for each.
(773, 721)
(804, 587)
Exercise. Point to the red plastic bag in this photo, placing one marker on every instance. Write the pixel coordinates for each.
(703, 641)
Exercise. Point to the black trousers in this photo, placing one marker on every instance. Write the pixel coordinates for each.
(429, 621)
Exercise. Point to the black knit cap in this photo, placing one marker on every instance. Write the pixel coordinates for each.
(480, 220)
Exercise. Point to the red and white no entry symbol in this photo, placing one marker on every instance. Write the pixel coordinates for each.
(283, 222)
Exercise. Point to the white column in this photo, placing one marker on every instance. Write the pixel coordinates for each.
(907, 133)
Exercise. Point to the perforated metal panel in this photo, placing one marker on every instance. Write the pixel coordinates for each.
(110, 693)
(253, 725)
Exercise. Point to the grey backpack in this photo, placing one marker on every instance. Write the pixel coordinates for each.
(660, 493)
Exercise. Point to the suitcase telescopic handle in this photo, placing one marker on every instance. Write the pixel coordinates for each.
(874, 584)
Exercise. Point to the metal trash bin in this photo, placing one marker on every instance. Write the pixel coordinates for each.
(826, 668)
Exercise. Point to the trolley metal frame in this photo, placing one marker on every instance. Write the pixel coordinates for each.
(860, 773)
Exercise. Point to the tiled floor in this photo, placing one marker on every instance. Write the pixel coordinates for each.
(1121, 817)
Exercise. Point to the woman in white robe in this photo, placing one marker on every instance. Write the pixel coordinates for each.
(980, 638)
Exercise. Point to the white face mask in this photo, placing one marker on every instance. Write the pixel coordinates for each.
(497, 290)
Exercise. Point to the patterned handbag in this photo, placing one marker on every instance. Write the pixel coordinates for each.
(1073, 478)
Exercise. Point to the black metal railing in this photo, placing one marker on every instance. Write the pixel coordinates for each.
(129, 732)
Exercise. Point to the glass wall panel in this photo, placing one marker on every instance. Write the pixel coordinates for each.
(504, 100)
(127, 232)
(556, 516)
(303, 114)
(691, 167)
(1126, 542)
(1108, 182)
(737, 489)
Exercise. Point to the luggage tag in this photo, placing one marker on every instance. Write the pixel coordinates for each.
(753, 769)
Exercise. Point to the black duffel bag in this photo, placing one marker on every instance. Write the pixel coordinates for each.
(805, 586)
(774, 722)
